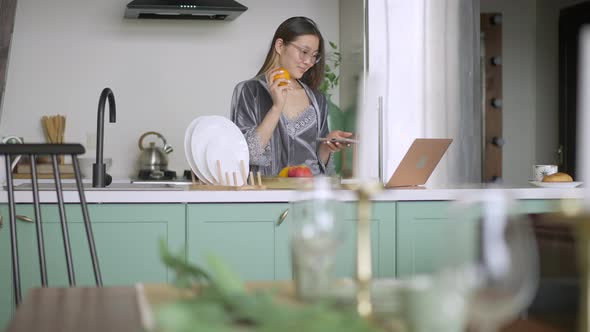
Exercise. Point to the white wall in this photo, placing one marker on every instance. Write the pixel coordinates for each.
(518, 86)
(163, 73)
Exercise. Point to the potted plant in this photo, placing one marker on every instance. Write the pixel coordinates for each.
(337, 118)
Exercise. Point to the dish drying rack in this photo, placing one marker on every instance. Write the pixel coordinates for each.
(226, 183)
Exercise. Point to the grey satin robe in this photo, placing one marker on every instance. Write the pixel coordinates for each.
(293, 142)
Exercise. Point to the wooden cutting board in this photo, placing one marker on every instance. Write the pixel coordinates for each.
(275, 182)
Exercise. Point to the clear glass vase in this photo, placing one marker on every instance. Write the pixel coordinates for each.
(316, 234)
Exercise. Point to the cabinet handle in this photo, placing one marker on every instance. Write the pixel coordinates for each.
(24, 218)
(282, 217)
(1, 222)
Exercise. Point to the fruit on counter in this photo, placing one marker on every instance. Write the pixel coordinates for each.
(297, 171)
(300, 171)
(284, 75)
(284, 172)
(558, 177)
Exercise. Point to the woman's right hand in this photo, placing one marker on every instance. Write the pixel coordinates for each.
(278, 93)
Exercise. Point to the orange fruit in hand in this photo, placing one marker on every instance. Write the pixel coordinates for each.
(284, 75)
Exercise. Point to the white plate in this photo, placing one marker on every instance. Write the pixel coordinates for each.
(229, 149)
(555, 184)
(204, 129)
(188, 134)
(208, 129)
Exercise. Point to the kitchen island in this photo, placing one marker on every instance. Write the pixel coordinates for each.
(249, 229)
(124, 192)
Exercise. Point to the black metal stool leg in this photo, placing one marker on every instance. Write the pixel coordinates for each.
(62, 220)
(38, 222)
(87, 225)
(13, 237)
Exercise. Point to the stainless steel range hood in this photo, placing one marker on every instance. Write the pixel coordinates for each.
(218, 10)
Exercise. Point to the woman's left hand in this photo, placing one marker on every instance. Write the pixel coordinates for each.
(335, 146)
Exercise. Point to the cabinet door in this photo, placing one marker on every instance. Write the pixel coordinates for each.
(241, 234)
(382, 240)
(6, 297)
(424, 235)
(428, 239)
(126, 237)
(538, 205)
(382, 235)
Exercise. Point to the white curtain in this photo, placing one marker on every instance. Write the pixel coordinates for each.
(432, 88)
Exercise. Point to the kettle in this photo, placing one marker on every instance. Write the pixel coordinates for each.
(153, 158)
(8, 140)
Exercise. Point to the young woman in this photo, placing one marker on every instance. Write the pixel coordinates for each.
(283, 118)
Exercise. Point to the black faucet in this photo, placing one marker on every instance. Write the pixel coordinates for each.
(100, 178)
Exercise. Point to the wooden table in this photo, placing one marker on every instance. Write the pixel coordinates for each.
(115, 309)
(78, 309)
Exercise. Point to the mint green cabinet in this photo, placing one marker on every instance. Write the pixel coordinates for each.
(242, 234)
(383, 243)
(407, 238)
(127, 241)
(537, 206)
(422, 237)
(6, 297)
(428, 239)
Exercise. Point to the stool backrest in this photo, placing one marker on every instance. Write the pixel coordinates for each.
(11, 151)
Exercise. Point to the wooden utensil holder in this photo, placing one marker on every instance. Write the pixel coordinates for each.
(250, 183)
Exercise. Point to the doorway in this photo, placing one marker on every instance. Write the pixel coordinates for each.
(571, 19)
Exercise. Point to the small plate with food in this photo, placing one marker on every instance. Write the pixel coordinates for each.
(556, 180)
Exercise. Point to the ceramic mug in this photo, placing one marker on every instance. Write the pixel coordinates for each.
(540, 171)
(8, 140)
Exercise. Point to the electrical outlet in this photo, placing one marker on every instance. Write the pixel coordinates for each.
(91, 141)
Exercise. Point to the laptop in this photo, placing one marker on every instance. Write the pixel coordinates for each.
(419, 162)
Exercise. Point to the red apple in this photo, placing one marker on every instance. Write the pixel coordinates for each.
(300, 171)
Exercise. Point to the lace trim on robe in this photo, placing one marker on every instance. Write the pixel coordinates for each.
(259, 155)
(302, 121)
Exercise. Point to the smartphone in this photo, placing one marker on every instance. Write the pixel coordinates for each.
(338, 140)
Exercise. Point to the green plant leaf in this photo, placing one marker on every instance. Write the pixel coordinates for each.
(184, 271)
(227, 280)
(223, 305)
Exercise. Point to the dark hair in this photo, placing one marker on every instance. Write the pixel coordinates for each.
(288, 31)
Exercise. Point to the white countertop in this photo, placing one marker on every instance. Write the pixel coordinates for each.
(181, 194)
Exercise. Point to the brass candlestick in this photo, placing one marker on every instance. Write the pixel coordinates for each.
(363, 248)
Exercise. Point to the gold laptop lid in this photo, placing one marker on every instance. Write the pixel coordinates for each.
(419, 162)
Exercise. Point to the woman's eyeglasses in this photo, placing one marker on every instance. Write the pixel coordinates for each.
(305, 54)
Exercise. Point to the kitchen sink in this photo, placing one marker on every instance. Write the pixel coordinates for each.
(115, 186)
